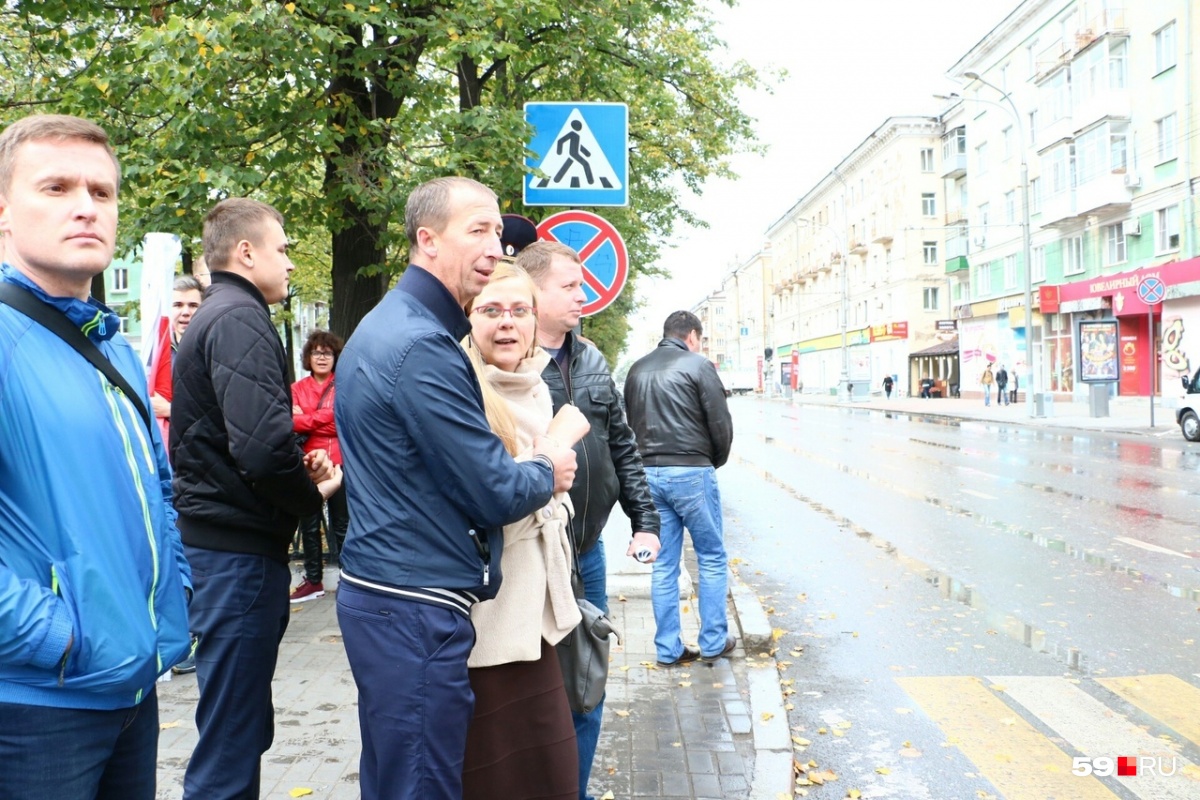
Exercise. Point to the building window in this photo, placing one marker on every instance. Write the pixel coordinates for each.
(1010, 272)
(929, 204)
(1100, 151)
(1035, 196)
(930, 298)
(931, 254)
(1118, 69)
(120, 279)
(1033, 125)
(1037, 258)
(927, 159)
(1114, 244)
(1007, 141)
(1010, 206)
(984, 213)
(1164, 48)
(981, 157)
(1166, 137)
(1073, 255)
(1167, 228)
(982, 285)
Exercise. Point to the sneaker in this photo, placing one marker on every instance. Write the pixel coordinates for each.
(307, 590)
(688, 655)
(730, 643)
(187, 666)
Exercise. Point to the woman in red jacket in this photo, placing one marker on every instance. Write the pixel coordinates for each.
(312, 415)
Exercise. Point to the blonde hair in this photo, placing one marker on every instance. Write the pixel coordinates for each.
(499, 417)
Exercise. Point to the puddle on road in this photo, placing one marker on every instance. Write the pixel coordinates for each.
(952, 588)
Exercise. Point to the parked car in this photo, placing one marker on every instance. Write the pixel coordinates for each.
(1188, 414)
(739, 382)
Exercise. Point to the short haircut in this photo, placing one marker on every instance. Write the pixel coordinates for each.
(428, 205)
(55, 127)
(186, 283)
(535, 259)
(325, 339)
(231, 221)
(680, 323)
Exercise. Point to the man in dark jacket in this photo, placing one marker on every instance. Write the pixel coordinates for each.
(241, 484)
(429, 488)
(609, 465)
(677, 409)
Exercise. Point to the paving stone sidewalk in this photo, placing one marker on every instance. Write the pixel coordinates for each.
(698, 732)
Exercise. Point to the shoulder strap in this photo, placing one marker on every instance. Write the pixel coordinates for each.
(58, 324)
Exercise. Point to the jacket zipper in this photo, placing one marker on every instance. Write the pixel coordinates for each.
(485, 552)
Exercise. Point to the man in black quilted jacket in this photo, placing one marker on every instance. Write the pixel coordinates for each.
(241, 484)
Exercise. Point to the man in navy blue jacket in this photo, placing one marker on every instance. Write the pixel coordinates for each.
(429, 488)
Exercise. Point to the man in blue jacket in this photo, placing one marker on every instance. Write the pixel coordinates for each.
(429, 488)
(93, 585)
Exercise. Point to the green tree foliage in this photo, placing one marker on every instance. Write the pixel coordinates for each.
(333, 111)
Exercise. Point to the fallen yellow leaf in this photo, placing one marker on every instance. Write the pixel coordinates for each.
(300, 791)
(883, 770)
(620, 712)
(767, 716)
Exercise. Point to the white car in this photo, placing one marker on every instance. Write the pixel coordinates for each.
(1188, 415)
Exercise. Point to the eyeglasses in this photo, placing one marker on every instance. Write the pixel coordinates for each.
(322, 354)
(496, 312)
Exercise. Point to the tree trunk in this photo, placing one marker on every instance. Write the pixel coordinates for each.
(353, 294)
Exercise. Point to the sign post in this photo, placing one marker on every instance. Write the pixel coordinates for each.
(1150, 291)
(600, 248)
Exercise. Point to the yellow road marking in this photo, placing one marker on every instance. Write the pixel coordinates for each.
(1172, 701)
(1019, 761)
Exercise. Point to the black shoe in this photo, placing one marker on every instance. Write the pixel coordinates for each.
(688, 655)
(187, 666)
(730, 643)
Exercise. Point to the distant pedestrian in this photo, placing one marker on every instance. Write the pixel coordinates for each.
(1002, 386)
(887, 386)
(241, 484)
(677, 409)
(986, 380)
(1016, 384)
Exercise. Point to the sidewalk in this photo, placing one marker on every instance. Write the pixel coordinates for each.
(700, 731)
(1125, 414)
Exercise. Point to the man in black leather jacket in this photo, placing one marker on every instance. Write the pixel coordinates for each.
(610, 468)
(677, 408)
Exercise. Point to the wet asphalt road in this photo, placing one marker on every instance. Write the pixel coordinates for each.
(965, 607)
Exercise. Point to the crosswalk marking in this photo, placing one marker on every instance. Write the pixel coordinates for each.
(1170, 700)
(1019, 761)
(1090, 727)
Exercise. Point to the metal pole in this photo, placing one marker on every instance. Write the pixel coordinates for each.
(1153, 357)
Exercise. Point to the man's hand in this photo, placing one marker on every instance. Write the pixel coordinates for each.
(562, 459)
(642, 540)
(297, 410)
(328, 487)
(319, 466)
(160, 406)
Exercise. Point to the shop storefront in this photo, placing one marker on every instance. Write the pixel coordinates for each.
(1140, 332)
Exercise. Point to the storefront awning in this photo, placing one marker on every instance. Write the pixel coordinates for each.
(946, 348)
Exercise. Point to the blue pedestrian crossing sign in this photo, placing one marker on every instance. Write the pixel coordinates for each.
(582, 151)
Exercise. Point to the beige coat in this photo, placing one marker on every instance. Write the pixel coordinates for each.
(535, 600)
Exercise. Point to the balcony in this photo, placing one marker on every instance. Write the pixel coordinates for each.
(858, 247)
(1109, 104)
(1104, 193)
(1108, 21)
(956, 216)
(954, 165)
(1053, 133)
(1049, 60)
(881, 238)
(1058, 209)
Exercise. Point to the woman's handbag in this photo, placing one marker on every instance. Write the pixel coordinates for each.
(583, 654)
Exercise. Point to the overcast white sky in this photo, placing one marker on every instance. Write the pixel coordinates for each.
(851, 64)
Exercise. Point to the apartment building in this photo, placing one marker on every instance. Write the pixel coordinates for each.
(1095, 102)
(858, 281)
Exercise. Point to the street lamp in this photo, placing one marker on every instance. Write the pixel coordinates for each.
(1031, 352)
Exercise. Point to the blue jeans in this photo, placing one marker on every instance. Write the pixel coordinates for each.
(409, 661)
(987, 394)
(239, 613)
(52, 753)
(594, 571)
(688, 497)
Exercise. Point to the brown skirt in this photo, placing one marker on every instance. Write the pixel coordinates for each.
(521, 742)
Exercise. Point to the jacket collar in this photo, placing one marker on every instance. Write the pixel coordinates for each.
(671, 341)
(220, 277)
(429, 292)
(95, 319)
